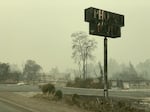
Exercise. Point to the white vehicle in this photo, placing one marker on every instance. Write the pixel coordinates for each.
(20, 83)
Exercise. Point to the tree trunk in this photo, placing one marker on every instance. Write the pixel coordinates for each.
(84, 77)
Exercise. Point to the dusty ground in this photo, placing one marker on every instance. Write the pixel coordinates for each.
(39, 97)
(39, 105)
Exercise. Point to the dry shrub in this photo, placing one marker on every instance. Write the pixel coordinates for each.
(47, 88)
(58, 95)
(100, 104)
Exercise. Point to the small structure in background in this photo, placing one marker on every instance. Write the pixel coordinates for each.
(130, 84)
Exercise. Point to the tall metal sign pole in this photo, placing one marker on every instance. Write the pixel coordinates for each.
(105, 69)
(106, 24)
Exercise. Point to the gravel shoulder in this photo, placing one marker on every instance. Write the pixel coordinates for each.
(38, 105)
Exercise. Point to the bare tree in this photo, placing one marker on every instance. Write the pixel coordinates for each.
(143, 68)
(100, 74)
(82, 50)
(54, 72)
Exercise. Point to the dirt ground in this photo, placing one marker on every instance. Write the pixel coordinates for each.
(39, 105)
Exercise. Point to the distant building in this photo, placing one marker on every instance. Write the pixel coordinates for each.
(134, 84)
(46, 78)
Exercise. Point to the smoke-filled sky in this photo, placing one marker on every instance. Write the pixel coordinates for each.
(41, 29)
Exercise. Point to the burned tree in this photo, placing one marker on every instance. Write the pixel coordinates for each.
(82, 48)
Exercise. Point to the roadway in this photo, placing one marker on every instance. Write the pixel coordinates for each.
(131, 93)
(6, 107)
(18, 88)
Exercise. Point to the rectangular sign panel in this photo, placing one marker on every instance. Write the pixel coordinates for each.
(104, 23)
(103, 29)
(93, 14)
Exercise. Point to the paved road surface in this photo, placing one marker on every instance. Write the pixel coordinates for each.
(133, 93)
(17, 88)
(5, 107)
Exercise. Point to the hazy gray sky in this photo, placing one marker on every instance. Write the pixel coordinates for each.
(41, 29)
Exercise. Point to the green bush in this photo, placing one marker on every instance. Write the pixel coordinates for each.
(69, 84)
(58, 95)
(75, 99)
(87, 83)
(48, 88)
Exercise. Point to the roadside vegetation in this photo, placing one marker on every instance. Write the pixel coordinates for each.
(100, 104)
(49, 92)
(90, 103)
(86, 83)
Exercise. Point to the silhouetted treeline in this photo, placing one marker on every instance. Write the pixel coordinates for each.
(7, 75)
